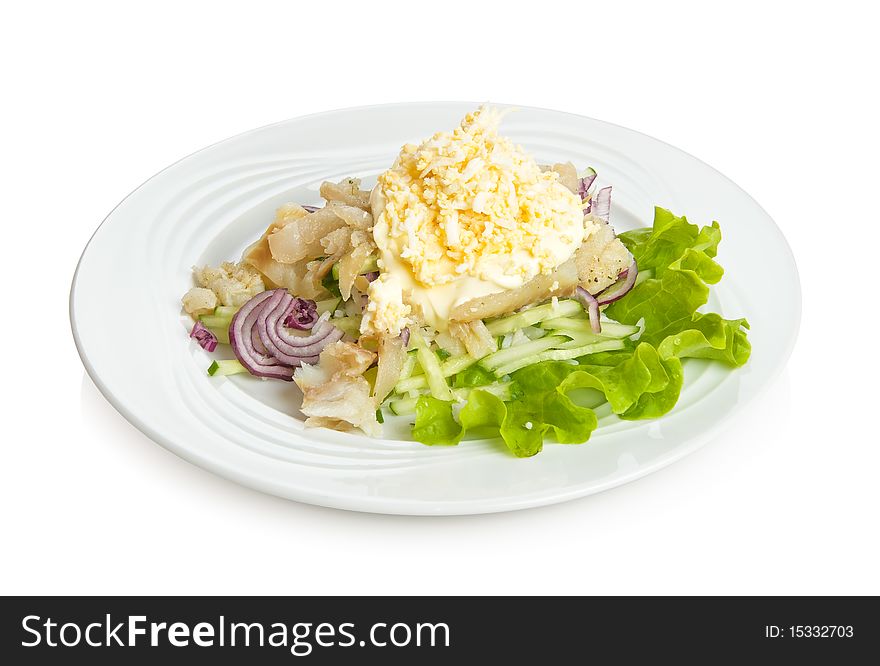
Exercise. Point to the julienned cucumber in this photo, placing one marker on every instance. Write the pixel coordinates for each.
(218, 325)
(408, 405)
(578, 339)
(449, 367)
(558, 355)
(232, 367)
(215, 321)
(368, 267)
(431, 365)
(610, 329)
(328, 305)
(222, 334)
(408, 365)
(403, 406)
(525, 351)
(225, 310)
(581, 338)
(565, 308)
(349, 325)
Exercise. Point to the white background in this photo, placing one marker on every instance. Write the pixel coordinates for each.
(780, 97)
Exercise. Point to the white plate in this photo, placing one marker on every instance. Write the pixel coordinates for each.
(125, 312)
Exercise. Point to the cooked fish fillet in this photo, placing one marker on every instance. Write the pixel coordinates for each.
(600, 259)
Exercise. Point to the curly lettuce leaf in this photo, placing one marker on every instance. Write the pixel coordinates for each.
(641, 385)
(473, 376)
(571, 423)
(660, 246)
(667, 303)
(681, 256)
(523, 430)
(484, 412)
(710, 336)
(435, 424)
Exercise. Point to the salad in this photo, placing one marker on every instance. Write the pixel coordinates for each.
(473, 292)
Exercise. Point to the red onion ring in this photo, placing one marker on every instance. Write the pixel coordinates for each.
(242, 334)
(591, 305)
(620, 288)
(303, 314)
(292, 349)
(257, 342)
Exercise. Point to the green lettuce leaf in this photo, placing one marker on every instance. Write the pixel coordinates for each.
(644, 385)
(435, 424)
(658, 398)
(681, 256)
(571, 423)
(710, 336)
(666, 303)
(523, 430)
(484, 413)
(473, 376)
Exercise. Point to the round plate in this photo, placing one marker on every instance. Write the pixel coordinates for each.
(126, 316)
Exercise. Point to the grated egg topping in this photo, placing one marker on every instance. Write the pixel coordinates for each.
(465, 214)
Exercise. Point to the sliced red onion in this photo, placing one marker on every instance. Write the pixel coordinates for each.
(372, 275)
(311, 209)
(601, 204)
(592, 306)
(585, 183)
(620, 288)
(404, 337)
(243, 333)
(303, 314)
(290, 349)
(206, 339)
(255, 339)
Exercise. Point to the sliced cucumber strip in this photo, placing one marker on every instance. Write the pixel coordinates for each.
(610, 329)
(348, 325)
(563, 308)
(409, 364)
(500, 390)
(578, 339)
(213, 321)
(565, 324)
(222, 334)
(416, 383)
(525, 351)
(449, 367)
(403, 406)
(559, 355)
(454, 365)
(431, 365)
(232, 367)
(225, 310)
(328, 305)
